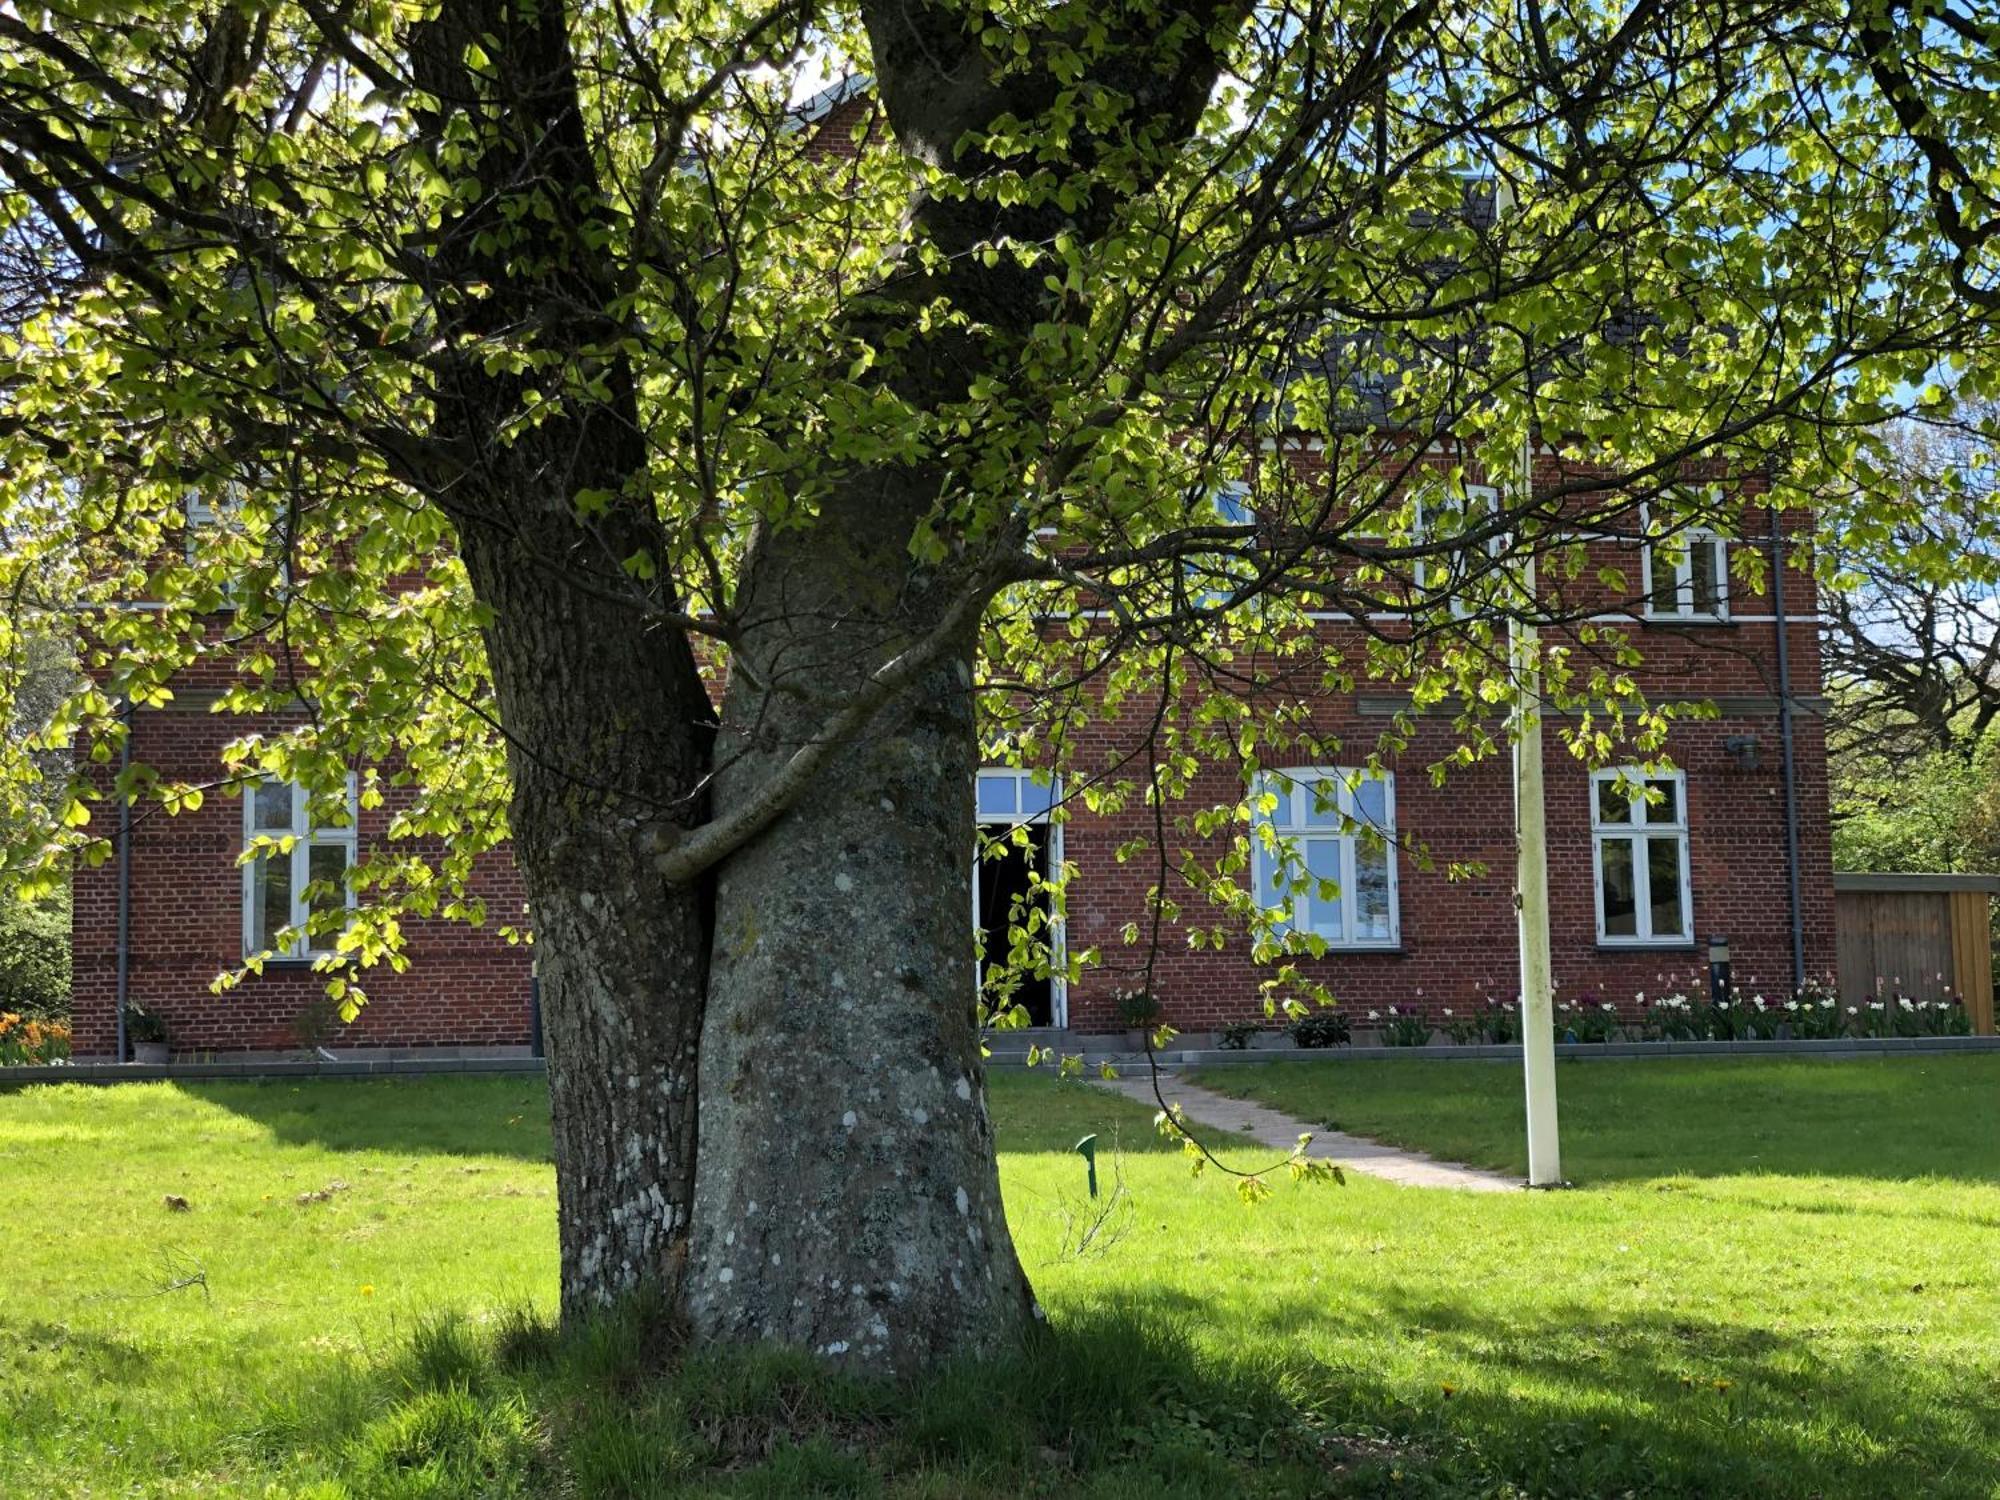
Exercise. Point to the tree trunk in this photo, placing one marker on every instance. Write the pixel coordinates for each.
(848, 1200)
(608, 732)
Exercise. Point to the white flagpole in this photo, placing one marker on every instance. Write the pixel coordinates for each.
(1531, 844)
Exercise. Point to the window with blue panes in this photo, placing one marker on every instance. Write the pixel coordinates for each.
(1328, 862)
(1464, 577)
(1005, 796)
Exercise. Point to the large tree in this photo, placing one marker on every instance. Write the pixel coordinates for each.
(546, 359)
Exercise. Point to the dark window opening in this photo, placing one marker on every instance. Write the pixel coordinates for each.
(1005, 896)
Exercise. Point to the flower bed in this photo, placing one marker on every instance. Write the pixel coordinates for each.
(28, 1042)
(1813, 1013)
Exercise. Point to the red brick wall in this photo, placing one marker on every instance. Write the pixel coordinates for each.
(464, 985)
(1458, 937)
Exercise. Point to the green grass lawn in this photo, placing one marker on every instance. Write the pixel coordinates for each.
(1779, 1279)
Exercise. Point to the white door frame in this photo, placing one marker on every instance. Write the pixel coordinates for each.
(1058, 938)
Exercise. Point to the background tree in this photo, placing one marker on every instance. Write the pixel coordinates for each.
(1912, 641)
(40, 677)
(542, 355)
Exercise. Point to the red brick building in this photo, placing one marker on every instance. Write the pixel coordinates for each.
(1637, 887)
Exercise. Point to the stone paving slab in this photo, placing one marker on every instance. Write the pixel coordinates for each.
(1269, 1127)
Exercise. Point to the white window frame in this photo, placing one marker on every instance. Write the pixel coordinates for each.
(1296, 788)
(201, 516)
(298, 859)
(1644, 825)
(1434, 572)
(1041, 802)
(1690, 543)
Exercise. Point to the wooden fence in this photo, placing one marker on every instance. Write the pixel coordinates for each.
(1915, 928)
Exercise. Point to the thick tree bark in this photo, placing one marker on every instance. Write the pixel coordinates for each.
(607, 732)
(848, 1199)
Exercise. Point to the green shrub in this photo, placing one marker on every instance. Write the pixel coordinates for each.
(1498, 1024)
(1237, 1034)
(1590, 1020)
(142, 1025)
(1462, 1027)
(1138, 1009)
(1322, 1028)
(1405, 1028)
(1815, 1012)
(34, 958)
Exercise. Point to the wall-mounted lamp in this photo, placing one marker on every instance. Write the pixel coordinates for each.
(1718, 968)
(1743, 749)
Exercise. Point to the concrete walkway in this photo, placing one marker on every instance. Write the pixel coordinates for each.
(1281, 1132)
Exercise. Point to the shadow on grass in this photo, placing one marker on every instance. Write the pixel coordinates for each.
(1139, 1395)
(1113, 1403)
(1574, 1403)
(473, 1116)
(437, 1115)
(79, 1354)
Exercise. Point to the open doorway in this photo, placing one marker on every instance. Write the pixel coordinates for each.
(1003, 888)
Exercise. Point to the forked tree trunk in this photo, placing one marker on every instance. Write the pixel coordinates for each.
(847, 1200)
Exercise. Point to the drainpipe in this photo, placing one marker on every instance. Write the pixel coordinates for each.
(1790, 766)
(124, 878)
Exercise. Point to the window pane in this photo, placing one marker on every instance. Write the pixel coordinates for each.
(1663, 872)
(1371, 804)
(1371, 894)
(1319, 802)
(996, 796)
(1614, 802)
(1264, 872)
(1280, 791)
(1664, 585)
(1706, 558)
(1269, 868)
(271, 807)
(1621, 912)
(1668, 808)
(328, 813)
(328, 863)
(1323, 913)
(270, 900)
(1035, 799)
